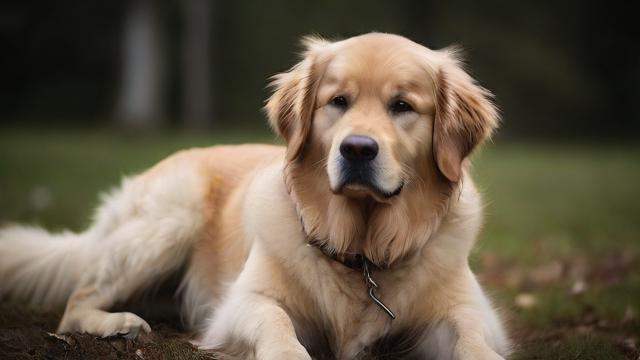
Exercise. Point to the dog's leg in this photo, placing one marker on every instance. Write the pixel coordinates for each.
(133, 256)
(472, 325)
(258, 325)
(141, 236)
(251, 322)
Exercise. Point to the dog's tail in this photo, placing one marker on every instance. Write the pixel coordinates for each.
(39, 268)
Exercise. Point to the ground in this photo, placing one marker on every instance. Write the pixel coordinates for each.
(559, 255)
(27, 334)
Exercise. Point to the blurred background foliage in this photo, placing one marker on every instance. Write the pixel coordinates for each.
(562, 69)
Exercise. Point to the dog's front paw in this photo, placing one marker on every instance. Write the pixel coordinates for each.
(477, 352)
(486, 354)
(104, 324)
(127, 324)
(289, 355)
(293, 353)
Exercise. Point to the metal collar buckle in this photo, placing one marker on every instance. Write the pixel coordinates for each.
(371, 284)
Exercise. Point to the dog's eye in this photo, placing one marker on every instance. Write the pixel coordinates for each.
(400, 106)
(340, 102)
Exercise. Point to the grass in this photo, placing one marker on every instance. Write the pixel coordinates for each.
(568, 197)
(562, 228)
(53, 177)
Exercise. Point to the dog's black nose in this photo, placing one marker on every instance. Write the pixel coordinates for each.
(359, 148)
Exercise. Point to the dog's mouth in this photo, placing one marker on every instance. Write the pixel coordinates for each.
(359, 189)
(360, 180)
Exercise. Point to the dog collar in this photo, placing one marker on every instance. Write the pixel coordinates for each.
(357, 262)
(351, 260)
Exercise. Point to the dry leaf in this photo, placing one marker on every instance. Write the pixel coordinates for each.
(578, 287)
(526, 300)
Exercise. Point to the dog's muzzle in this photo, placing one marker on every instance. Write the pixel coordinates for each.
(358, 169)
(357, 161)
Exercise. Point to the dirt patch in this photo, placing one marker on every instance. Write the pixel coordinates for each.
(577, 307)
(28, 334)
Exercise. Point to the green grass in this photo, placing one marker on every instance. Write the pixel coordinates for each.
(576, 207)
(565, 198)
(72, 167)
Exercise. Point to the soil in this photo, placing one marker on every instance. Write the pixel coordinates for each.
(28, 334)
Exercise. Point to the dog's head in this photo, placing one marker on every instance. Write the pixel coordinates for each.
(369, 118)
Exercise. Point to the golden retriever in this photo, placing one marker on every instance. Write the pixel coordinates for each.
(353, 239)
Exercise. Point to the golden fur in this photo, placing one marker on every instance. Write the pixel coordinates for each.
(241, 217)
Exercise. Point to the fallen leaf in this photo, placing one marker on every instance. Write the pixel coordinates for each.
(546, 274)
(526, 300)
(64, 338)
(629, 314)
(578, 287)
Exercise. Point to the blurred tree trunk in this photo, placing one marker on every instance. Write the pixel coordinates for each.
(196, 64)
(143, 69)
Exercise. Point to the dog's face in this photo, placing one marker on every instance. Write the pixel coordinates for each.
(379, 115)
(374, 116)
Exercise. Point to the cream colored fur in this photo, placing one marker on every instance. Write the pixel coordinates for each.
(253, 287)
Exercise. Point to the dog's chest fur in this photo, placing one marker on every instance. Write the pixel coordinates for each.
(348, 324)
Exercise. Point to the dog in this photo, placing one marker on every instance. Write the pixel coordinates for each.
(353, 238)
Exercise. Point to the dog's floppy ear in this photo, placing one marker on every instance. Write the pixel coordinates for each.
(290, 108)
(465, 116)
